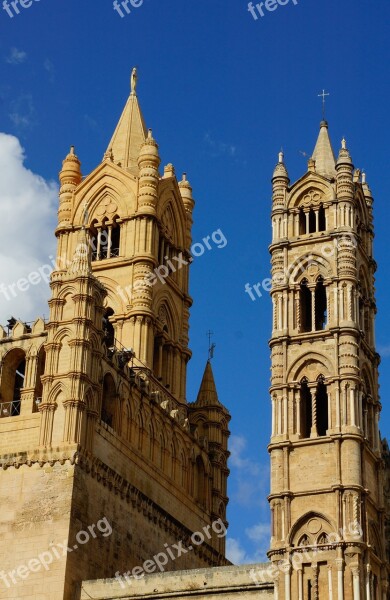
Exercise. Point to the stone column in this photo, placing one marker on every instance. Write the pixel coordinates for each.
(356, 582)
(287, 584)
(300, 584)
(337, 406)
(315, 592)
(340, 578)
(353, 407)
(313, 309)
(330, 582)
(314, 432)
(368, 582)
(273, 416)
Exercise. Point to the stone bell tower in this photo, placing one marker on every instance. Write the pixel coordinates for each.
(326, 496)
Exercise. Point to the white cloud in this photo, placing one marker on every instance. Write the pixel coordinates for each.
(237, 447)
(218, 148)
(235, 552)
(257, 535)
(248, 477)
(28, 207)
(22, 112)
(16, 57)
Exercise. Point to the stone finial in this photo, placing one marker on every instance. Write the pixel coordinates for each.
(133, 81)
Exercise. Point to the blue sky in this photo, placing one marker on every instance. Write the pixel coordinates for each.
(223, 93)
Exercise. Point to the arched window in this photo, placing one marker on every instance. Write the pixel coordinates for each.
(105, 240)
(12, 383)
(320, 305)
(108, 328)
(322, 407)
(109, 401)
(312, 221)
(115, 240)
(306, 409)
(321, 219)
(200, 478)
(302, 222)
(38, 382)
(306, 306)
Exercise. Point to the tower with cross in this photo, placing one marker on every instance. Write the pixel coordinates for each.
(327, 503)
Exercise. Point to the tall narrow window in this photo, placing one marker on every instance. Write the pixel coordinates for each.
(108, 328)
(38, 383)
(312, 221)
(321, 307)
(306, 409)
(109, 401)
(322, 407)
(115, 240)
(305, 305)
(19, 384)
(302, 222)
(321, 219)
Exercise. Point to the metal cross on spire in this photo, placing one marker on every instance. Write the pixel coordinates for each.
(211, 346)
(323, 95)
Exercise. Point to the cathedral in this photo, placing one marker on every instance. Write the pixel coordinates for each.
(114, 485)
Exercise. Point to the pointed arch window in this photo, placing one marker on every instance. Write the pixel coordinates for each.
(108, 328)
(105, 240)
(302, 222)
(321, 219)
(12, 383)
(312, 221)
(305, 306)
(321, 407)
(109, 401)
(38, 383)
(320, 305)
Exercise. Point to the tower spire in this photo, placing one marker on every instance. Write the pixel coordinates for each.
(130, 133)
(207, 395)
(323, 153)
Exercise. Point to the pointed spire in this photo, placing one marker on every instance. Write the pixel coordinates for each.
(207, 395)
(130, 132)
(81, 261)
(323, 153)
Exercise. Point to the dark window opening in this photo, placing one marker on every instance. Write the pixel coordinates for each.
(108, 328)
(312, 221)
(38, 383)
(322, 408)
(306, 409)
(109, 399)
(19, 384)
(321, 219)
(320, 304)
(309, 590)
(115, 240)
(306, 306)
(302, 222)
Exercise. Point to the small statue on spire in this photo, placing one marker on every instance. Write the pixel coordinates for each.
(133, 80)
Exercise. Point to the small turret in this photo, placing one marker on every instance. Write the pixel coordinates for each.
(189, 203)
(148, 163)
(70, 177)
(280, 182)
(344, 168)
